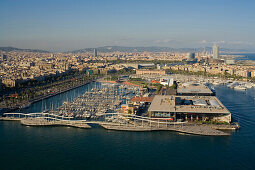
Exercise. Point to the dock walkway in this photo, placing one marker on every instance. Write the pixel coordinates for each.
(44, 122)
(123, 123)
(204, 130)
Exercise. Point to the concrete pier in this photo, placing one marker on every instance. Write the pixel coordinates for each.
(122, 122)
(204, 130)
(44, 122)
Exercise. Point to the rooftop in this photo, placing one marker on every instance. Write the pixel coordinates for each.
(141, 99)
(195, 104)
(193, 88)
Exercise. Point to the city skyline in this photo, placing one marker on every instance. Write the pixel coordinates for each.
(67, 25)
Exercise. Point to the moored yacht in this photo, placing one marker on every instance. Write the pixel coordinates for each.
(240, 88)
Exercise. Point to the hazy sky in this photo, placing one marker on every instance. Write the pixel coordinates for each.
(61, 25)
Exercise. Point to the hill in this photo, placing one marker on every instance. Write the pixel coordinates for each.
(151, 49)
(8, 49)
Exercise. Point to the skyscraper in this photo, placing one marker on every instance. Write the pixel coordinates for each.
(95, 52)
(4, 57)
(190, 56)
(215, 51)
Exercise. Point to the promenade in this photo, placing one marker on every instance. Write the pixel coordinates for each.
(136, 124)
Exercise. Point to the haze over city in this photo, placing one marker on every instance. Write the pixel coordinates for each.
(63, 25)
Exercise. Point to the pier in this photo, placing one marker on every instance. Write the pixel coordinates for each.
(44, 119)
(120, 122)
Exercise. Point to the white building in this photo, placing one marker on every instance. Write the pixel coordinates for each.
(167, 81)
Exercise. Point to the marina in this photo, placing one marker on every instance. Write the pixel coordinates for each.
(128, 138)
(105, 105)
(208, 81)
(98, 101)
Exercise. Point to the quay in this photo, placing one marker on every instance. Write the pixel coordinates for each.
(44, 122)
(120, 122)
(44, 119)
(204, 130)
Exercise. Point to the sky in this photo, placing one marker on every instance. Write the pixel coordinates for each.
(62, 25)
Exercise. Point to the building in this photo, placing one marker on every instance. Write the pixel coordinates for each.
(95, 52)
(89, 72)
(167, 81)
(159, 66)
(215, 51)
(194, 89)
(188, 108)
(4, 57)
(190, 56)
(150, 72)
(9, 82)
(230, 61)
(137, 103)
(124, 108)
(146, 66)
(253, 73)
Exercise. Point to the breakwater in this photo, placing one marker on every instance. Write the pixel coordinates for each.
(120, 122)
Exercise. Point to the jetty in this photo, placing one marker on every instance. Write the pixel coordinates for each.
(120, 122)
(44, 119)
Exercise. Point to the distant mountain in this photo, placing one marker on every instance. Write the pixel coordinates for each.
(131, 49)
(123, 49)
(150, 49)
(8, 49)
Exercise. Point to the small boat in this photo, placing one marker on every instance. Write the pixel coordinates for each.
(45, 111)
(242, 88)
(216, 83)
(248, 85)
(25, 106)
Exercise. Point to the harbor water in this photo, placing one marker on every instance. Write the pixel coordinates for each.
(25, 147)
(246, 56)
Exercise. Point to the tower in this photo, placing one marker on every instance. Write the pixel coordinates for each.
(190, 56)
(95, 52)
(215, 51)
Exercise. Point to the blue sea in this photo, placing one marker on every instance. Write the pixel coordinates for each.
(247, 56)
(25, 147)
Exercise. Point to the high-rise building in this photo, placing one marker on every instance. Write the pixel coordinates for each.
(215, 51)
(95, 52)
(4, 57)
(190, 56)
